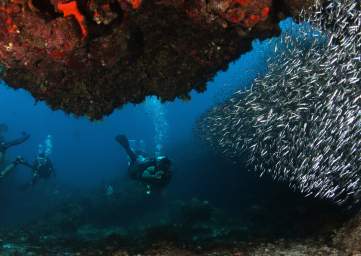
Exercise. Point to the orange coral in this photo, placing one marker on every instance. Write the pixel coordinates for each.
(135, 3)
(235, 16)
(266, 12)
(8, 22)
(11, 27)
(241, 2)
(57, 54)
(71, 9)
(247, 13)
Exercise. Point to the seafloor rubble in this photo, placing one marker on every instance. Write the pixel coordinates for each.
(77, 224)
(88, 57)
(163, 241)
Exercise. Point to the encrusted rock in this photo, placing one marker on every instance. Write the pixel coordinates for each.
(90, 57)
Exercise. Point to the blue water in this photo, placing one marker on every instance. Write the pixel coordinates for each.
(85, 154)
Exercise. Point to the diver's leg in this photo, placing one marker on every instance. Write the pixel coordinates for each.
(35, 179)
(123, 140)
(9, 168)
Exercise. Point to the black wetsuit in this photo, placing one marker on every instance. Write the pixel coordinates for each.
(140, 162)
(42, 168)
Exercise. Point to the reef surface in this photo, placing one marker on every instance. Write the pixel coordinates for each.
(192, 227)
(89, 57)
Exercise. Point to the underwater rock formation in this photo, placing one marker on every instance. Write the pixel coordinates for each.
(301, 123)
(215, 236)
(90, 57)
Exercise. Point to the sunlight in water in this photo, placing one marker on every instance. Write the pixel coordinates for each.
(47, 147)
(157, 113)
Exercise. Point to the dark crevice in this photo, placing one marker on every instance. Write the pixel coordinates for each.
(46, 8)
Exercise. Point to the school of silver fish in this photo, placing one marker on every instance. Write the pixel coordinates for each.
(301, 122)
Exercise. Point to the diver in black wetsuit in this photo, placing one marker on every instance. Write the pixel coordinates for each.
(42, 168)
(5, 145)
(154, 172)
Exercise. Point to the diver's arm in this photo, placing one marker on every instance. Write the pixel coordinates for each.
(25, 137)
(27, 164)
(22, 161)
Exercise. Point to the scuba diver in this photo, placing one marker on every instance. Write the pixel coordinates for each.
(5, 145)
(42, 167)
(153, 172)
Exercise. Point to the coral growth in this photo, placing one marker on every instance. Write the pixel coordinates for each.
(89, 57)
(71, 9)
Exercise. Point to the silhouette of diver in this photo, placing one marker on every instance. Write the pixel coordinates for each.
(42, 168)
(5, 145)
(154, 172)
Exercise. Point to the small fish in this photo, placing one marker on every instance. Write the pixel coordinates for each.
(301, 122)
